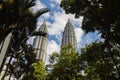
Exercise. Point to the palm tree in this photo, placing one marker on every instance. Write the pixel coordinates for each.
(16, 17)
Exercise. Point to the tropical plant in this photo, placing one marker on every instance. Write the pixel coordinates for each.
(16, 17)
(37, 71)
(65, 65)
(98, 65)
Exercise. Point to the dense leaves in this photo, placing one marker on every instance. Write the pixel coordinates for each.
(99, 65)
(94, 63)
(37, 71)
(64, 65)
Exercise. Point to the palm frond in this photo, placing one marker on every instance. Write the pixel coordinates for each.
(41, 11)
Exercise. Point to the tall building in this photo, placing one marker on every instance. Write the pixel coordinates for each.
(69, 36)
(40, 43)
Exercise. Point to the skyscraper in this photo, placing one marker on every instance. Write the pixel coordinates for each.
(69, 36)
(40, 44)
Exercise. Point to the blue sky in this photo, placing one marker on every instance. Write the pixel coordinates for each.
(56, 20)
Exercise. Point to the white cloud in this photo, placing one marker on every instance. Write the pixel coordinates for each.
(78, 33)
(57, 1)
(52, 47)
(31, 40)
(43, 18)
(38, 6)
(52, 5)
(59, 23)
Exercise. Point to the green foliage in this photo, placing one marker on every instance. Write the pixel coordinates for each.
(94, 63)
(37, 71)
(98, 64)
(66, 65)
(54, 58)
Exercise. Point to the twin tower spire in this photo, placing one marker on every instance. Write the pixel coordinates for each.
(69, 35)
(41, 42)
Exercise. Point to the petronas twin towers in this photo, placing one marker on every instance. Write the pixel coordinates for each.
(41, 42)
(69, 36)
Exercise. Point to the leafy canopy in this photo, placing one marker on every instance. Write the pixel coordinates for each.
(64, 65)
(37, 71)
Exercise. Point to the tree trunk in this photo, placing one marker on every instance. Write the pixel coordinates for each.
(7, 67)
